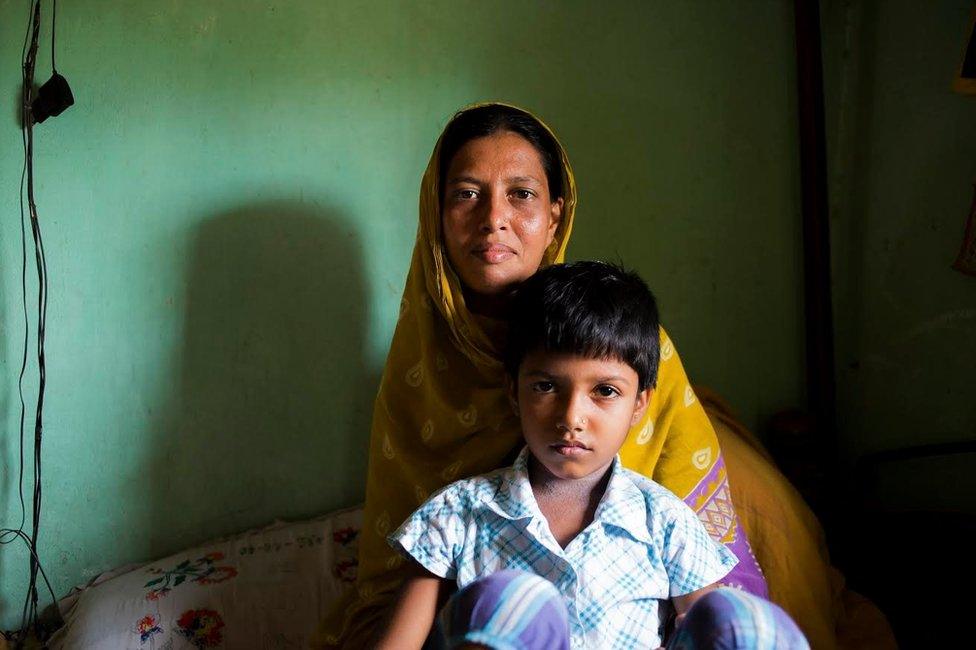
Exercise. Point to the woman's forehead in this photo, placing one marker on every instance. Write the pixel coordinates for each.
(505, 154)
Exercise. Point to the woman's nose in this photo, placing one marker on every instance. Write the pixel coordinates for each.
(494, 214)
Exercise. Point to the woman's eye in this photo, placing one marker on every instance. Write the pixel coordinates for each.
(607, 391)
(543, 386)
(522, 194)
(466, 195)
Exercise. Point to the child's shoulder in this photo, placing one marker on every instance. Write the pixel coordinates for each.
(470, 491)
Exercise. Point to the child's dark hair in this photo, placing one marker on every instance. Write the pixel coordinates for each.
(594, 309)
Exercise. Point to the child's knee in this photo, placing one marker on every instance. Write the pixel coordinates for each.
(732, 619)
(508, 607)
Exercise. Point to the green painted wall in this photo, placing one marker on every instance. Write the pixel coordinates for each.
(230, 206)
(903, 157)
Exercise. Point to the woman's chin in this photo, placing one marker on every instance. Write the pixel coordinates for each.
(493, 280)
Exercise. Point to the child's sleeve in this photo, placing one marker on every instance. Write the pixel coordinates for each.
(434, 534)
(692, 559)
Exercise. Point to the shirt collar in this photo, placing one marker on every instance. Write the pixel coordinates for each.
(622, 506)
(514, 499)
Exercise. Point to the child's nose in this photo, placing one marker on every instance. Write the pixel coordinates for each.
(573, 415)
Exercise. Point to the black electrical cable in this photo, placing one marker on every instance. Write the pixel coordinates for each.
(54, 25)
(21, 535)
(5, 532)
(29, 616)
(54, 96)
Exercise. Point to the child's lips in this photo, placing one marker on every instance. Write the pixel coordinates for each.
(570, 448)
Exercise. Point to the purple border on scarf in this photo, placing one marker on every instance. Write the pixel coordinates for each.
(714, 489)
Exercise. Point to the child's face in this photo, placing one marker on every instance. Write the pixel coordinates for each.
(576, 411)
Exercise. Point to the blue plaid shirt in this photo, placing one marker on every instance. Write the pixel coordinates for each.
(644, 546)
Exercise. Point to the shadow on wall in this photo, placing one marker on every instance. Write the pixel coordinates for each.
(270, 418)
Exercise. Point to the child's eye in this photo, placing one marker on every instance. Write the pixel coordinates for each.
(543, 386)
(606, 391)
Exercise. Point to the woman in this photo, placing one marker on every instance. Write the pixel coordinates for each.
(497, 202)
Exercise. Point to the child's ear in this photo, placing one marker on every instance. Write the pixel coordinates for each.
(511, 389)
(641, 404)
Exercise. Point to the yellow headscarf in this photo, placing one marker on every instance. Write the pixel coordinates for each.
(442, 414)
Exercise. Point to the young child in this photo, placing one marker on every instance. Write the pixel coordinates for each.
(566, 548)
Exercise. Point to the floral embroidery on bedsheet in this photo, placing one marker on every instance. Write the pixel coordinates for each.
(274, 546)
(345, 536)
(346, 570)
(201, 627)
(147, 628)
(347, 561)
(202, 571)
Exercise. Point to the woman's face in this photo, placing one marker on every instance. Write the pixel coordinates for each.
(497, 216)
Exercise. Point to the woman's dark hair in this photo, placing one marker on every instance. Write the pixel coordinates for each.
(593, 309)
(487, 120)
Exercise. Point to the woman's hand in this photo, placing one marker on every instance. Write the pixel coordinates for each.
(683, 603)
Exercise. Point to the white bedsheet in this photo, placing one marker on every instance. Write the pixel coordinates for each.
(261, 589)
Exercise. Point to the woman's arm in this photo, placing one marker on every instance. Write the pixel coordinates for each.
(681, 606)
(683, 603)
(413, 612)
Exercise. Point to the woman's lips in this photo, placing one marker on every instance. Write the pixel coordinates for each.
(494, 253)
